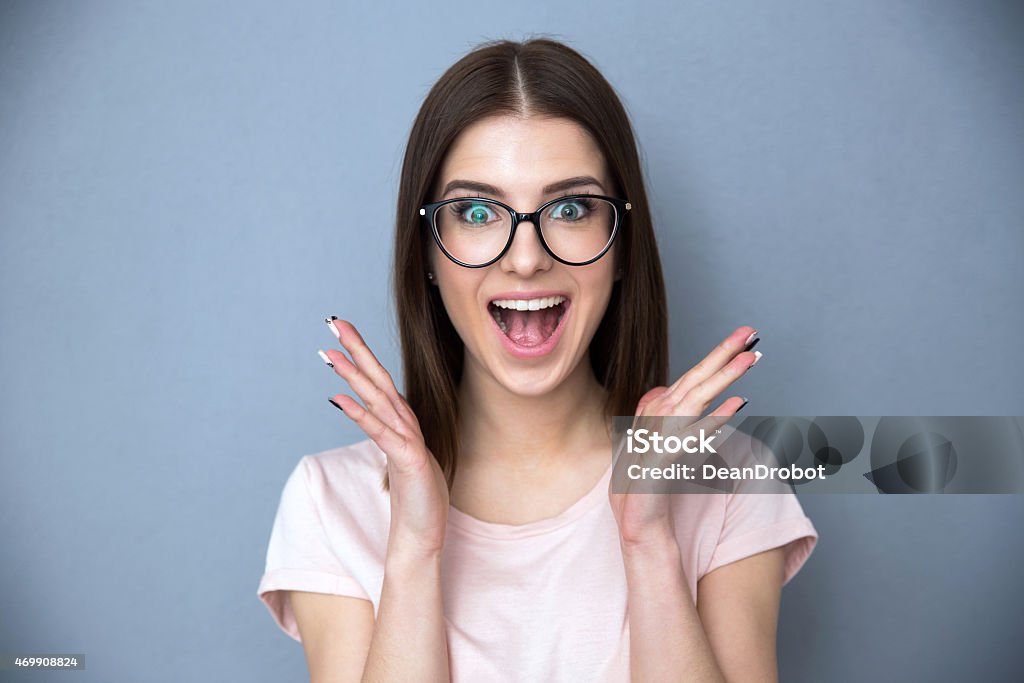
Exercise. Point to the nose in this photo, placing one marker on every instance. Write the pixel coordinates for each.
(526, 255)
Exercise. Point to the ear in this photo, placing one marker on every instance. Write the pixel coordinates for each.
(431, 266)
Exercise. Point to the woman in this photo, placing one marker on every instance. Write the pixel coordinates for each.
(474, 535)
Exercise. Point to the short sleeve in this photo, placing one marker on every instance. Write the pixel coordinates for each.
(756, 522)
(299, 555)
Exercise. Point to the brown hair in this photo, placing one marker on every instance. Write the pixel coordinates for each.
(541, 77)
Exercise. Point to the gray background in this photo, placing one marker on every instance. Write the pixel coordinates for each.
(187, 189)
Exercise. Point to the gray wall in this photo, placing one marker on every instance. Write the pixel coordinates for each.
(187, 189)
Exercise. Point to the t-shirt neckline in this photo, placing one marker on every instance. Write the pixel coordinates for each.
(478, 527)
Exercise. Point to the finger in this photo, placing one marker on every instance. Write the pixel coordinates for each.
(367, 362)
(374, 398)
(686, 431)
(726, 350)
(709, 424)
(712, 423)
(394, 445)
(396, 413)
(730, 406)
(362, 356)
(649, 397)
(699, 397)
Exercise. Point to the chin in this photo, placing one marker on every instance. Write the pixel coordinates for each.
(531, 381)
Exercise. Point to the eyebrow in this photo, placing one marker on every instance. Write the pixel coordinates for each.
(484, 188)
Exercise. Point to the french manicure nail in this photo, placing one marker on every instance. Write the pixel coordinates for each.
(330, 323)
(750, 338)
(745, 402)
(752, 344)
(331, 400)
(757, 357)
(325, 358)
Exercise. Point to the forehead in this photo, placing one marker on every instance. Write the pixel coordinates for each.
(520, 155)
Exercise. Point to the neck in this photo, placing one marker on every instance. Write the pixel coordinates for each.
(529, 433)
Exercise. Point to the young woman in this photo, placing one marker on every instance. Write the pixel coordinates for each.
(474, 536)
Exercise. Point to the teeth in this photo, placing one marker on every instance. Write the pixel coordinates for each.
(522, 305)
(528, 304)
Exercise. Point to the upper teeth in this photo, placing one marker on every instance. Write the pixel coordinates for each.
(529, 304)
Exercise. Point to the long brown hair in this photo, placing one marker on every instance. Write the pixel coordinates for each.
(537, 77)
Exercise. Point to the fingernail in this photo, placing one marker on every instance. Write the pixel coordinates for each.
(745, 402)
(335, 404)
(751, 344)
(750, 338)
(757, 357)
(330, 323)
(325, 358)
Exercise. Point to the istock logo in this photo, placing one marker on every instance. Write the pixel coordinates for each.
(645, 441)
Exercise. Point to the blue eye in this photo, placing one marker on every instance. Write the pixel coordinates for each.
(473, 213)
(572, 210)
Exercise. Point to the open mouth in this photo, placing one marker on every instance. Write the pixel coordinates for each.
(528, 322)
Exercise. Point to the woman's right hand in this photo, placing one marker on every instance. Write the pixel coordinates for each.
(419, 493)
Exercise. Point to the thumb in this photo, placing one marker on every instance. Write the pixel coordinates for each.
(648, 397)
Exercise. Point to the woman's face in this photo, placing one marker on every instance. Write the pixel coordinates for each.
(527, 352)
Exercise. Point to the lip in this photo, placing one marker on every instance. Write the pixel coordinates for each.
(549, 344)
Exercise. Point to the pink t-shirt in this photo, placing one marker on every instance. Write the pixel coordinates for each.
(544, 601)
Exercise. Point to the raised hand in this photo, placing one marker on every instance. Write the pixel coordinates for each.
(644, 517)
(419, 493)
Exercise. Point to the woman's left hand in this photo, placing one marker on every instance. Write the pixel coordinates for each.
(646, 517)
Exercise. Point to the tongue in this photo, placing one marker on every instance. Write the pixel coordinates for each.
(530, 328)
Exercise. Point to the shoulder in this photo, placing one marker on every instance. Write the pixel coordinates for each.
(330, 532)
(755, 522)
(362, 460)
(342, 495)
(344, 472)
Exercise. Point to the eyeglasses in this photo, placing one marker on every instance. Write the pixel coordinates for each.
(575, 230)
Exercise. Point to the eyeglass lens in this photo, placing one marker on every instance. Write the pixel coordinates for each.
(475, 231)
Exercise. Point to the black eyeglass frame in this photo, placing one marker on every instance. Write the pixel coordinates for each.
(429, 212)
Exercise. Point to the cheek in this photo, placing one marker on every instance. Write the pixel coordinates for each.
(597, 287)
(459, 287)
(601, 280)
